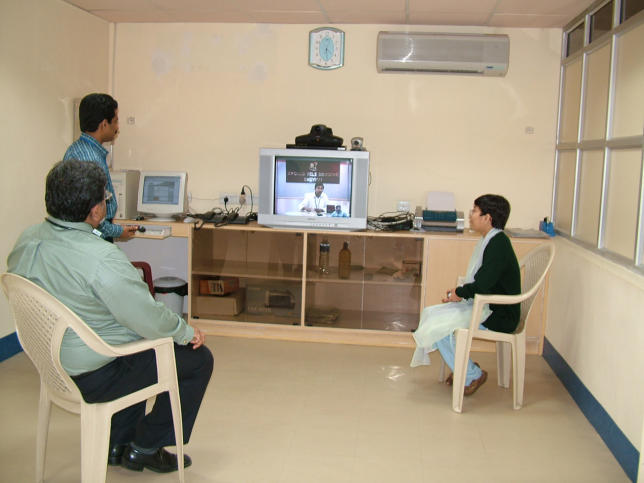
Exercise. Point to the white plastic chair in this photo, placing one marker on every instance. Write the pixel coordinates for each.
(535, 266)
(41, 321)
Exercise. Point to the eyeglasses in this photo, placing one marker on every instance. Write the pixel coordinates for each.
(108, 195)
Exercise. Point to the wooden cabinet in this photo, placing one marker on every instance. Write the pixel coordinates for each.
(283, 293)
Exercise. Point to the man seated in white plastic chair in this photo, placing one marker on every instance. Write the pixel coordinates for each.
(66, 256)
(493, 269)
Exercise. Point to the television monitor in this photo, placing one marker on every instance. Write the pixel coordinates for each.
(162, 194)
(288, 197)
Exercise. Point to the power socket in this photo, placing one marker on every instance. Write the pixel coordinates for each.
(233, 199)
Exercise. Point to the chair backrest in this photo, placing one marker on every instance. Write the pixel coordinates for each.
(146, 274)
(41, 321)
(535, 266)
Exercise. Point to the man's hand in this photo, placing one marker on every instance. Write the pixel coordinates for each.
(199, 338)
(128, 232)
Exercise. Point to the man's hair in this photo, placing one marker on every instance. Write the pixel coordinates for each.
(319, 183)
(93, 109)
(496, 206)
(73, 188)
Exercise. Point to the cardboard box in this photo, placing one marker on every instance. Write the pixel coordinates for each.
(218, 286)
(231, 304)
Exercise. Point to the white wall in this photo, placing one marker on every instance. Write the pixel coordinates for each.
(206, 97)
(50, 53)
(595, 323)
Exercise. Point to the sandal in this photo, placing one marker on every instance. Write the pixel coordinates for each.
(449, 380)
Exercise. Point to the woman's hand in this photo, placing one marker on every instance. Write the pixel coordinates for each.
(450, 296)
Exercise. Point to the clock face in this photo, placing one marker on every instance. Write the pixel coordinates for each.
(326, 48)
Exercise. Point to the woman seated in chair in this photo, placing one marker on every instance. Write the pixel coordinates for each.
(493, 269)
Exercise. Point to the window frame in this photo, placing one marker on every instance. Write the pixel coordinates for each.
(609, 142)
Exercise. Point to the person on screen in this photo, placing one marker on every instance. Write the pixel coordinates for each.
(338, 213)
(98, 115)
(493, 269)
(316, 201)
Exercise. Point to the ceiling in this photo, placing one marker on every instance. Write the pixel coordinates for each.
(492, 13)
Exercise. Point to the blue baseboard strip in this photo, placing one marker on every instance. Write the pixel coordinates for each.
(626, 454)
(9, 346)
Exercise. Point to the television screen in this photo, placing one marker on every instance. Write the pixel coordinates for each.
(162, 190)
(312, 186)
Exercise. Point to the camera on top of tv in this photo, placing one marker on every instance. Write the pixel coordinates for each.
(320, 137)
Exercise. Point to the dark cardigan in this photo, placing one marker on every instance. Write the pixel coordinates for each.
(499, 274)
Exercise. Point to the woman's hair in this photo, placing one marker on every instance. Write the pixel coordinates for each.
(73, 188)
(496, 206)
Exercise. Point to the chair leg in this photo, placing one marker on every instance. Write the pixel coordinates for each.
(441, 372)
(175, 404)
(503, 355)
(518, 364)
(95, 439)
(461, 354)
(42, 431)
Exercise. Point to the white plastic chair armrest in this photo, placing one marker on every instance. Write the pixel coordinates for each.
(94, 342)
(140, 346)
(481, 300)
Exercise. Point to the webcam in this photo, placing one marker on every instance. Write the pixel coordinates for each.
(357, 144)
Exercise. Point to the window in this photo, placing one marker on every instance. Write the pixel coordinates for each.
(601, 21)
(575, 40)
(630, 8)
(599, 176)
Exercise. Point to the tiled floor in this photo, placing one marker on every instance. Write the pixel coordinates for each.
(295, 412)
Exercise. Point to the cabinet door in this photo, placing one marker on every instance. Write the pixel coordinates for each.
(265, 267)
(382, 292)
(447, 260)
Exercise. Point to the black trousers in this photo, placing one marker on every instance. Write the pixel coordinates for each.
(131, 373)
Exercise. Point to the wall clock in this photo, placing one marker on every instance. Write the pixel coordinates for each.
(326, 48)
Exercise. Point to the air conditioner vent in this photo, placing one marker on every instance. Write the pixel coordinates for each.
(472, 54)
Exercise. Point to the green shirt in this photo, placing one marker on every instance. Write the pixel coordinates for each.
(95, 280)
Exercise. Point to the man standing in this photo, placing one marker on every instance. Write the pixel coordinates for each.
(316, 201)
(94, 278)
(99, 123)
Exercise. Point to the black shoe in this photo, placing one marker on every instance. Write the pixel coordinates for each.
(115, 454)
(160, 461)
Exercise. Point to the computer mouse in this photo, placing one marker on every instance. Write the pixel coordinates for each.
(141, 229)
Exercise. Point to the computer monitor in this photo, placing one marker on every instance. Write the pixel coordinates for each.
(163, 194)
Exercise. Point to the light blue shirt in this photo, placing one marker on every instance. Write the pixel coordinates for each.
(86, 148)
(96, 281)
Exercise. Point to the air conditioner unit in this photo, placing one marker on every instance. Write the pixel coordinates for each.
(477, 54)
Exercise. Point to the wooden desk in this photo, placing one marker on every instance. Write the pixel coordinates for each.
(178, 228)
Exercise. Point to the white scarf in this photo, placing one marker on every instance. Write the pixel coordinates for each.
(476, 260)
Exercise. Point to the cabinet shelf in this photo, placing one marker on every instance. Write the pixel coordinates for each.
(244, 317)
(362, 276)
(372, 320)
(275, 271)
